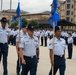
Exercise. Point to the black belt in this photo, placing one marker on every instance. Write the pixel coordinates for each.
(30, 56)
(3, 43)
(69, 43)
(61, 56)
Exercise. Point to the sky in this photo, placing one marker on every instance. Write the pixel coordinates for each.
(32, 6)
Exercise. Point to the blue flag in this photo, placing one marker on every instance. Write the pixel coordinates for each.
(18, 10)
(15, 19)
(18, 18)
(55, 15)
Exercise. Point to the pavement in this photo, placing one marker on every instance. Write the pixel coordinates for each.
(44, 62)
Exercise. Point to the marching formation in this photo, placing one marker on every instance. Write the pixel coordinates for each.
(27, 42)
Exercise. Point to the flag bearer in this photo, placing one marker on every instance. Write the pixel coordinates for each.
(18, 41)
(59, 53)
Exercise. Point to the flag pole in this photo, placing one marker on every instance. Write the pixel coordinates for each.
(53, 22)
(19, 39)
(19, 42)
(10, 11)
(53, 44)
(1, 17)
(53, 49)
(19, 24)
(1, 7)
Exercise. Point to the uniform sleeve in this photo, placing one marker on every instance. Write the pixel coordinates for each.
(22, 43)
(8, 31)
(50, 45)
(37, 46)
(64, 45)
(72, 40)
(17, 38)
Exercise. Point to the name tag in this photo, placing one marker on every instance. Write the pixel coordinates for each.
(55, 43)
(27, 42)
(1, 31)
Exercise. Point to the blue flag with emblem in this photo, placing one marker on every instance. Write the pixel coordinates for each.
(18, 10)
(18, 18)
(55, 15)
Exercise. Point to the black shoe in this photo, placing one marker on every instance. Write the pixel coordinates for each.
(68, 58)
(18, 73)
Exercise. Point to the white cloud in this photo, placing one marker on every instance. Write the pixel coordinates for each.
(28, 5)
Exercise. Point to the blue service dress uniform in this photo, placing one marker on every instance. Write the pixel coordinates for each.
(59, 59)
(70, 47)
(18, 68)
(4, 33)
(42, 38)
(45, 37)
(11, 37)
(29, 46)
(74, 38)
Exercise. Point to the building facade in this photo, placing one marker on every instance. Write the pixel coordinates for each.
(40, 17)
(37, 16)
(68, 12)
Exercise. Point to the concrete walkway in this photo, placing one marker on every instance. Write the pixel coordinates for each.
(44, 63)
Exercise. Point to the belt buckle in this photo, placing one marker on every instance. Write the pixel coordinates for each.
(31, 56)
(4, 43)
(61, 55)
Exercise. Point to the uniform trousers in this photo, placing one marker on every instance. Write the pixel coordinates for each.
(0, 54)
(41, 41)
(66, 38)
(74, 38)
(31, 65)
(18, 67)
(59, 63)
(70, 50)
(50, 37)
(11, 39)
(14, 40)
(4, 52)
(45, 41)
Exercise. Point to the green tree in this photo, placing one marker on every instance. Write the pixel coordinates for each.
(34, 23)
(8, 21)
(14, 24)
(24, 21)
